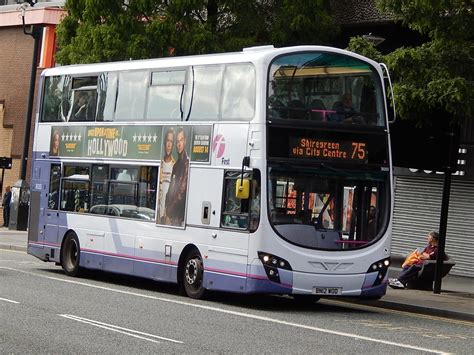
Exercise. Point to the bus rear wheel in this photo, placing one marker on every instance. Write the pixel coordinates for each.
(193, 273)
(70, 255)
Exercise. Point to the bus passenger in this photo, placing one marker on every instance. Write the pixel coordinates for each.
(371, 223)
(345, 111)
(81, 106)
(176, 196)
(166, 169)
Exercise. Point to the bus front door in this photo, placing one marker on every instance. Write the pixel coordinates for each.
(52, 206)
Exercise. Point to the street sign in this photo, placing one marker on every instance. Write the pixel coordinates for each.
(5, 163)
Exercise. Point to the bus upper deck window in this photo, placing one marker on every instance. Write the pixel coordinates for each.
(131, 97)
(165, 95)
(83, 100)
(325, 87)
(238, 94)
(55, 89)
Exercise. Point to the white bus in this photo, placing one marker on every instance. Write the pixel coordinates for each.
(261, 171)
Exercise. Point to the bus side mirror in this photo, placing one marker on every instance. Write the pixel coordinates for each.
(242, 189)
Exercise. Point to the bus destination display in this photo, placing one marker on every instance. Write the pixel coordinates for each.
(328, 149)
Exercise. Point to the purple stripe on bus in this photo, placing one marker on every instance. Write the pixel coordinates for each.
(167, 263)
(225, 272)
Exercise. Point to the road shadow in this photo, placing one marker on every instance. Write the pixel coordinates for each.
(258, 302)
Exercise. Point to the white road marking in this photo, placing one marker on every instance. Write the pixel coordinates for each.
(235, 313)
(7, 300)
(114, 328)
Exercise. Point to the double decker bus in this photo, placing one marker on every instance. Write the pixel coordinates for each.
(261, 171)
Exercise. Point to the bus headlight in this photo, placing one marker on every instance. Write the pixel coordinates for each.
(272, 264)
(381, 267)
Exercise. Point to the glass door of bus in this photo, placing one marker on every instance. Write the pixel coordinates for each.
(52, 208)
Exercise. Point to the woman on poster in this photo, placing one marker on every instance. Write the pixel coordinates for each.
(176, 196)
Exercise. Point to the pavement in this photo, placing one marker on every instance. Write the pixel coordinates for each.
(456, 299)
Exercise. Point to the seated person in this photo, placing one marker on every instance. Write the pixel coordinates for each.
(410, 272)
(80, 107)
(345, 112)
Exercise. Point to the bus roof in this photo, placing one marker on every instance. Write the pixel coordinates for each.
(260, 54)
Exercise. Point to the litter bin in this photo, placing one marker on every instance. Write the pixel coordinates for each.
(19, 206)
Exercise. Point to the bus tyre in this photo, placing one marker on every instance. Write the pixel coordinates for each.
(70, 255)
(193, 275)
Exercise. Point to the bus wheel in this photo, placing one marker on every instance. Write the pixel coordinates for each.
(306, 300)
(193, 275)
(70, 255)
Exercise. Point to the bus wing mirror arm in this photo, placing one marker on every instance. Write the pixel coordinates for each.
(242, 186)
(387, 76)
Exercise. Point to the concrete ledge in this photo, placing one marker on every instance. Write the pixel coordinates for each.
(404, 307)
(13, 247)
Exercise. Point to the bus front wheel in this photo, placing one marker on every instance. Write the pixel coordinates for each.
(70, 255)
(193, 275)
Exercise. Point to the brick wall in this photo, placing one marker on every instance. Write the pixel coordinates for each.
(16, 51)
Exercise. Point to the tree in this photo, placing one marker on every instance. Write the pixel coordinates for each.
(109, 30)
(438, 75)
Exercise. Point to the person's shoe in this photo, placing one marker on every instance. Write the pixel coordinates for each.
(396, 284)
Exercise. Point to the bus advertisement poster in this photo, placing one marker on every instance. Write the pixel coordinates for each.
(201, 139)
(124, 142)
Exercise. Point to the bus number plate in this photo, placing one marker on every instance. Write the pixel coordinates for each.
(330, 291)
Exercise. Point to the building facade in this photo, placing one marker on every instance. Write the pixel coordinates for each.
(16, 51)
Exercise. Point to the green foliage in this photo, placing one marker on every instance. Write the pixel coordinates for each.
(110, 30)
(302, 22)
(364, 47)
(440, 19)
(438, 75)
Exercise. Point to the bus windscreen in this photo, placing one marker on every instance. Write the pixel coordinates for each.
(325, 88)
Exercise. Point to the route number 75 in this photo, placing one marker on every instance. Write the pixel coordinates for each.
(358, 151)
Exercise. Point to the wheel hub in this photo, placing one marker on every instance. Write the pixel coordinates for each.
(191, 271)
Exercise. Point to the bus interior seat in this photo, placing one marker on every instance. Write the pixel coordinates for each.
(296, 110)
